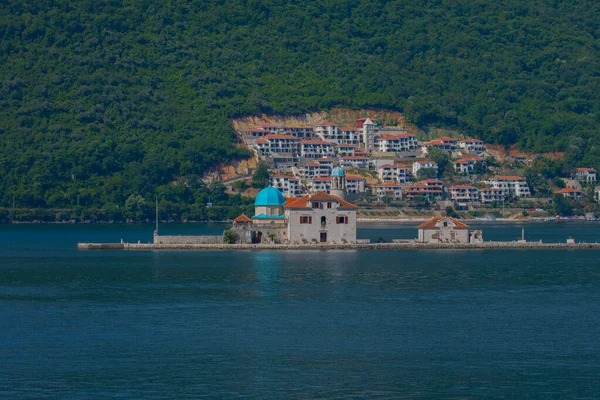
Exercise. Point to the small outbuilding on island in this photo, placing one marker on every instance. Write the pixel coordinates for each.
(447, 230)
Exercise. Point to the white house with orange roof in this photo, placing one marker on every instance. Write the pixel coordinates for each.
(466, 165)
(570, 193)
(447, 230)
(464, 194)
(345, 150)
(444, 143)
(472, 146)
(393, 173)
(355, 184)
(289, 186)
(348, 135)
(319, 168)
(586, 175)
(428, 164)
(400, 143)
(277, 144)
(361, 162)
(321, 184)
(511, 184)
(326, 131)
(296, 131)
(427, 188)
(391, 190)
(490, 195)
(316, 149)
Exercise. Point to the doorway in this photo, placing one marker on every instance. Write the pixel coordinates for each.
(323, 238)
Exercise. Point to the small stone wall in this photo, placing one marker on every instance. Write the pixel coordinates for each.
(182, 240)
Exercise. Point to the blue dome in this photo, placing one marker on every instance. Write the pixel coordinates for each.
(337, 171)
(269, 196)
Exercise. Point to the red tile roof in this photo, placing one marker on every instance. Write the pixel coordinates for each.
(586, 169)
(242, 219)
(314, 142)
(463, 187)
(303, 202)
(510, 178)
(433, 221)
(276, 136)
(568, 190)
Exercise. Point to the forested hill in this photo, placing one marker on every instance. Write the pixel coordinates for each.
(108, 99)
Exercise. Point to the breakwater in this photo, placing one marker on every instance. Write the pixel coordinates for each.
(358, 246)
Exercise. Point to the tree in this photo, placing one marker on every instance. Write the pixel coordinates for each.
(562, 206)
(230, 237)
(450, 212)
(441, 158)
(261, 178)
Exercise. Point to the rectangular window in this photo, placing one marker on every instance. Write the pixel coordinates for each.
(341, 219)
(329, 205)
(305, 220)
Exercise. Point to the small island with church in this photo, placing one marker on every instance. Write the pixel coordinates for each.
(321, 221)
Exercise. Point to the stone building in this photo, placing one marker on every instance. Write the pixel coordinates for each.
(314, 218)
(447, 230)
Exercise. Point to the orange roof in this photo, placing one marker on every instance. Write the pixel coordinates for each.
(510, 178)
(355, 177)
(275, 136)
(290, 200)
(462, 187)
(242, 219)
(302, 203)
(431, 223)
(256, 130)
(467, 159)
(347, 128)
(314, 142)
(568, 190)
(472, 140)
(389, 185)
(262, 141)
(586, 169)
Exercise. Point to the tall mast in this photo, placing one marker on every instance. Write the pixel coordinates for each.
(157, 215)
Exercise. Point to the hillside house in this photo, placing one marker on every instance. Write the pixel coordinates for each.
(393, 173)
(466, 165)
(516, 185)
(316, 149)
(465, 194)
(586, 175)
(428, 164)
(389, 190)
(573, 194)
(472, 146)
(289, 186)
(490, 195)
(360, 162)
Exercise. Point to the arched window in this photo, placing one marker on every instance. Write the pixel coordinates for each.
(323, 221)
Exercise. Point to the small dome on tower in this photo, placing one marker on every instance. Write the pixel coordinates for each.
(337, 171)
(269, 196)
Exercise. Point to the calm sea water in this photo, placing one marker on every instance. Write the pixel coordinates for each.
(504, 324)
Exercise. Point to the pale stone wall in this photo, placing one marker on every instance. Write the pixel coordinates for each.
(443, 235)
(309, 233)
(246, 232)
(200, 239)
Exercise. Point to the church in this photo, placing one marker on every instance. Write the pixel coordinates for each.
(314, 218)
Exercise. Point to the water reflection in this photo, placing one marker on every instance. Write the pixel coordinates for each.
(267, 267)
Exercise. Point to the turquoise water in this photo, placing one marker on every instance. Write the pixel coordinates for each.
(506, 324)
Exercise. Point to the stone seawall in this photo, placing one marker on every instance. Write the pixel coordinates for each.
(366, 246)
(185, 240)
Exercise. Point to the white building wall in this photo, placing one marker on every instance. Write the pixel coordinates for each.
(336, 233)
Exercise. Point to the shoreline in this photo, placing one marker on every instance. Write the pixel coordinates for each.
(320, 247)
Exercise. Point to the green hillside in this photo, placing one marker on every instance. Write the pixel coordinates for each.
(104, 100)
